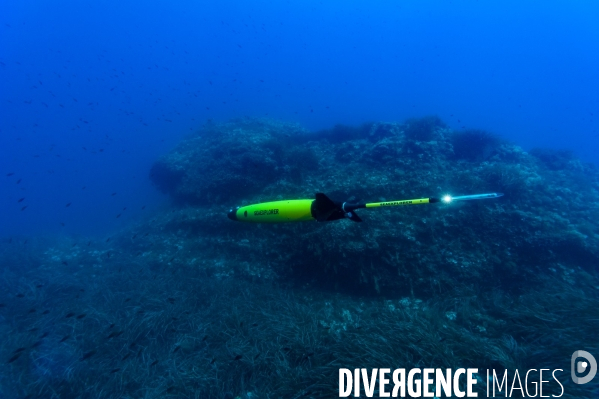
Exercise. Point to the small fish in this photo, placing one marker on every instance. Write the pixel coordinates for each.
(176, 349)
(19, 350)
(23, 208)
(68, 204)
(114, 334)
(213, 360)
(115, 370)
(31, 311)
(15, 357)
(118, 216)
(18, 181)
(45, 312)
(87, 355)
(238, 357)
(21, 199)
(154, 363)
(126, 356)
(44, 335)
(2, 305)
(10, 174)
(171, 300)
(113, 194)
(65, 338)
(81, 316)
(20, 295)
(70, 314)
(64, 262)
(37, 343)
(127, 300)
(257, 356)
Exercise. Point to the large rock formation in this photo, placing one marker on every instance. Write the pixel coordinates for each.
(545, 223)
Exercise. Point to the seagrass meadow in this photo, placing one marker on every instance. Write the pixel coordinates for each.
(189, 304)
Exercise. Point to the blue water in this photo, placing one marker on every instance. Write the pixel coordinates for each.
(111, 288)
(92, 93)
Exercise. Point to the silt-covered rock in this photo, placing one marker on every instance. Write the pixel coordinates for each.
(545, 223)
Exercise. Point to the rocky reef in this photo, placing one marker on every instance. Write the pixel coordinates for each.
(545, 223)
(189, 304)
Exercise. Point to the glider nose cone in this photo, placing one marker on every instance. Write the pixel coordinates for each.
(232, 214)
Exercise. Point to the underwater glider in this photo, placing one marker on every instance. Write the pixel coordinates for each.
(323, 209)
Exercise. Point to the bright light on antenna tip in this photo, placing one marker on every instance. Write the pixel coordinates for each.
(447, 199)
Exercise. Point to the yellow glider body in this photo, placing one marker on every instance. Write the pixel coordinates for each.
(274, 212)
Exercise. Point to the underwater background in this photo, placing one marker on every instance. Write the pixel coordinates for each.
(128, 130)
